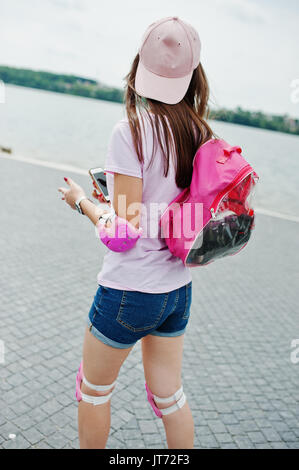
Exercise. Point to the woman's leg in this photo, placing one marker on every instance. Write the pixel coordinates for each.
(162, 362)
(101, 365)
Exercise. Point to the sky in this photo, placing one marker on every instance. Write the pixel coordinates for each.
(249, 47)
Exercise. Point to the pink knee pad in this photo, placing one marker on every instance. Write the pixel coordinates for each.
(79, 379)
(150, 398)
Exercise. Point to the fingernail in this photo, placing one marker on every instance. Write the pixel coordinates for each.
(65, 179)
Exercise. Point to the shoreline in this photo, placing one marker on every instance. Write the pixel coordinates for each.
(212, 111)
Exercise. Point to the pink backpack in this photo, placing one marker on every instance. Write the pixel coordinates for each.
(212, 218)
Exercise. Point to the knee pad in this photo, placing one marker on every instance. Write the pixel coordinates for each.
(178, 396)
(98, 388)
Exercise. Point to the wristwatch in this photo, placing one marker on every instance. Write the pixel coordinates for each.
(77, 204)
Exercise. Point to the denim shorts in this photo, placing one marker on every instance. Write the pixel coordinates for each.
(120, 318)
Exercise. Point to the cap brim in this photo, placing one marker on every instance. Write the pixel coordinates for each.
(166, 90)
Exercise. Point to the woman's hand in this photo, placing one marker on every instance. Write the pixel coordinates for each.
(98, 196)
(71, 195)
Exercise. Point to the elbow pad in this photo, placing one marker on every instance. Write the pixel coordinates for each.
(120, 236)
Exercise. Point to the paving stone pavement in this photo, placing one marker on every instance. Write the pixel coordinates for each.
(237, 373)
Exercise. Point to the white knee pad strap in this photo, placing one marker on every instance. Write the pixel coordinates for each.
(98, 388)
(178, 396)
(94, 400)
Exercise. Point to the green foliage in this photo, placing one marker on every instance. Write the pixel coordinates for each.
(75, 85)
(257, 119)
(60, 83)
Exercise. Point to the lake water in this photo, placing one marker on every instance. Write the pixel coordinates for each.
(75, 130)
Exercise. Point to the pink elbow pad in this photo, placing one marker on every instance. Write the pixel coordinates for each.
(120, 236)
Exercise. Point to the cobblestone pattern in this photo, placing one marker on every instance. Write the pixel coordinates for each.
(239, 380)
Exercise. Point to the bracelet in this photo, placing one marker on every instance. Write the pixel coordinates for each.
(78, 202)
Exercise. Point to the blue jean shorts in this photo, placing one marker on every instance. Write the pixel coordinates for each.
(120, 318)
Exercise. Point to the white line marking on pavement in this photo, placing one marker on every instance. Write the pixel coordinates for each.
(81, 171)
(54, 165)
(278, 215)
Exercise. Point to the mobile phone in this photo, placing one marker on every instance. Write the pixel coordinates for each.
(99, 177)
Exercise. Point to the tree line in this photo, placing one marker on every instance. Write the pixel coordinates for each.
(257, 119)
(61, 83)
(75, 85)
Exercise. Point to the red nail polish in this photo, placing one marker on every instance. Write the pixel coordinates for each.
(65, 179)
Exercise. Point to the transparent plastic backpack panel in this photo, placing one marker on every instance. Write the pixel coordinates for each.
(228, 231)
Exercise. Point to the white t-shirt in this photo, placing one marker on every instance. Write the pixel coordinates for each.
(148, 266)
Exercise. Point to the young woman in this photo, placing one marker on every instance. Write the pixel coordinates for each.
(144, 293)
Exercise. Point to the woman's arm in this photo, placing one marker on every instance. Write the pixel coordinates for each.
(127, 198)
(91, 210)
(71, 195)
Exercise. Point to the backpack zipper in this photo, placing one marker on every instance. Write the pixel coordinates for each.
(240, 177)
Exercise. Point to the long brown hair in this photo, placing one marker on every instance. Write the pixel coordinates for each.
(186, 120)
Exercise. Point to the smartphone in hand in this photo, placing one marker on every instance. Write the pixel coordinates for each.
(98, 176)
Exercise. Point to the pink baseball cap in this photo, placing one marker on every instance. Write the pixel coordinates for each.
(169, 53)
